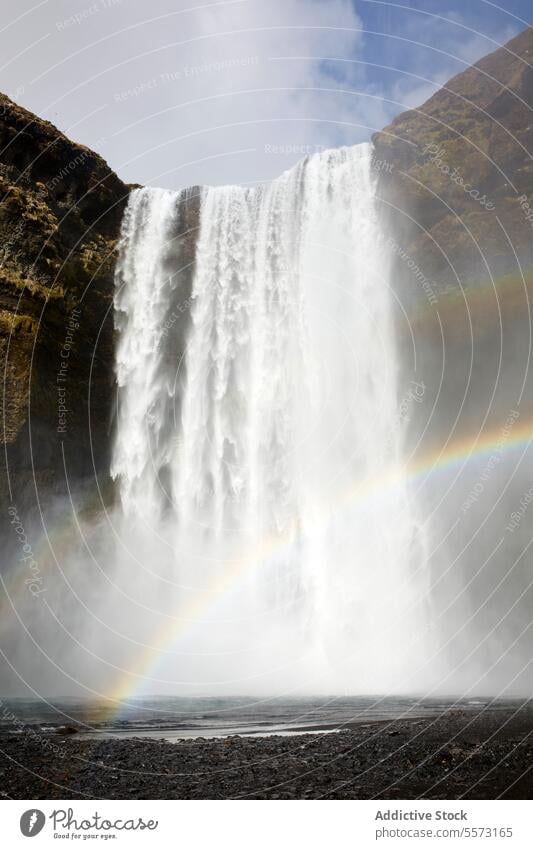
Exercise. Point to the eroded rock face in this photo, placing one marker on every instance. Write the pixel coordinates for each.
(59, 223)
(456, 189)
(456, 172)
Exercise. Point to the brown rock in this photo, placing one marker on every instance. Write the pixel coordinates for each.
(60, 214)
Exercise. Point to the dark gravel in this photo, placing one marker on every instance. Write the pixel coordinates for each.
(460, 754)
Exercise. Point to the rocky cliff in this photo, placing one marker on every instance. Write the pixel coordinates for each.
(457, 173)
(456, 189)
(60, 214)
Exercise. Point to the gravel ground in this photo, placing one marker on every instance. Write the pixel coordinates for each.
(458, 755)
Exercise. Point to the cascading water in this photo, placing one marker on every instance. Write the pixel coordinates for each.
(258, 452)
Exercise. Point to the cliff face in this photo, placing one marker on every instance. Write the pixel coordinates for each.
(60, 214)
(456, 189)
(458, 172)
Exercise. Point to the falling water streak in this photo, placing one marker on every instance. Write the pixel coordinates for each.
(286, 396)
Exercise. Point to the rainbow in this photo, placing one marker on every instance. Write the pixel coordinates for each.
(482, 299)
(505, 438)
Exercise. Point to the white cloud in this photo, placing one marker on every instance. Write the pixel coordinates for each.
(177, 92)
(192, 85)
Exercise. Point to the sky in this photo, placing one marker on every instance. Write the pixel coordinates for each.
(181, 92)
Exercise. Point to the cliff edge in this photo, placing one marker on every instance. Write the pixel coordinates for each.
(60, 214)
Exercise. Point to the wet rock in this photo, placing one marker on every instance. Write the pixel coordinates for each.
(356, 763)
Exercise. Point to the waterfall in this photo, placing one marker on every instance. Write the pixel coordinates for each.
(259, 444)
